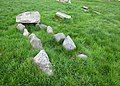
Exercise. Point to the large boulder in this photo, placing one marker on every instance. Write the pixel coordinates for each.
(68, 44)
(28, 17)
(35, 42)
(43, 62)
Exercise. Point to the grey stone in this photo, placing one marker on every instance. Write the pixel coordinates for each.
(85, 8)
(42, 60)
(20, 27)
(59, 36)
(43, 26)
(28, 17)
(68, 44)
(63, 15)
(49, 30)
(26, 33)
(82, 56)
(64, 1)
(35, 42)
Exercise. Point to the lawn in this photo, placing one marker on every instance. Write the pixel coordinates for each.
(96, 35)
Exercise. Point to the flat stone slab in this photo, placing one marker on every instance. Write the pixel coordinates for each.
(63, 15)
(68, 44)
(28, 17)
(42, 60)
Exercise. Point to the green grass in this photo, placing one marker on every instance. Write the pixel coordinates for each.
(96, 35)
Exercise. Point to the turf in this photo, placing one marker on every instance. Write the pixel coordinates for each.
(97, 35)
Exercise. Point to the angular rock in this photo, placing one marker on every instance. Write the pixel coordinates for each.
(26, 33)
(82, 56)
(64, 1)
(28, 17)
(63, 15)
(49, 30)
(59, 36)
(20, 27)
(35, 42)
(42, 60)
(43, 26)
(68, 44)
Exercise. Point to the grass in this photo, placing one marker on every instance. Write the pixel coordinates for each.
(96, 35)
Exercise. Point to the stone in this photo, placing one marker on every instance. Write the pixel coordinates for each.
(85, 8)
(63, 15)
(59, 36)
(26, 33)
(43, 26)
(35, 41)
(64, 1)
(68, 44)
(49, 30)
(97, 12)
(82, 56)
(28, 17)
(42, 60)
(20, 27)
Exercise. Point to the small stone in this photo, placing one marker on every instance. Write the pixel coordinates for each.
(59, 36)
(42, 60)
(63, 15)
(68, 44)
(97, 12)
(64, 1)
(82, 56)
(20, 27)
(35, 42)
(43, 26)
(28, 17)
(49, 30)
(85, 7)
(26, 33)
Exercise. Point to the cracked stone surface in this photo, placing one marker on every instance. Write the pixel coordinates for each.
(28, 17)
(42, 60)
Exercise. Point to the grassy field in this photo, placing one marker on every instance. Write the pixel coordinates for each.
(97, 35)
